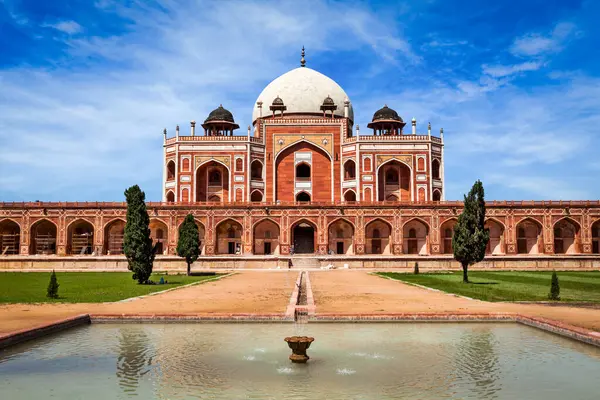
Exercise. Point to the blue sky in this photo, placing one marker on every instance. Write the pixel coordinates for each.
(87, 87)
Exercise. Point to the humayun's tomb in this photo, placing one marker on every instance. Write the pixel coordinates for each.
(303, 187)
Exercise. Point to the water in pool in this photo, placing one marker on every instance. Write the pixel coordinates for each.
(348, 361)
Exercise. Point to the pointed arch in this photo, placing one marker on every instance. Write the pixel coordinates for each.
(10, 237)
(170, 196)
(340, 233)
(496, 228)
(567, 232)
(416, 236)
(529, 236)
(80, 237)
(378, 237)
(403, 189)
(229, 234)
(304, 234)
(204, 188)
(256, 196)
(596, 237)
(43, 234)
(266, 233)
(256, 170)
(303, 196)
(349, 170)
(114, 233)
(446, 235)
(437, 195)
(159, 233)
(170, 170)
(350, 195)
(435, 169)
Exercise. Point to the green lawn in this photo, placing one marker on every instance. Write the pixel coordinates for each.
(83, 287)
(510, 286)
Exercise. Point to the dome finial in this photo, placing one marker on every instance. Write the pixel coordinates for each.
(302, 60)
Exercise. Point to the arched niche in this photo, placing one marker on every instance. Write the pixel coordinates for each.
(529, 237)
(416, 237)
(566, 237)
(43, 237)
(350, 196)
(303, 197)
(229, 237)
(496, 244)
(10, 237)
(171, 170)
(596, 237)
(159, 233)
(446, 235)
(266, 238)
(304, 237)
(212, 181)
(114, 233)
(378, 235)
(256, 196)
(394, 179)
(341, 237)
(256, 170)
(80, 238)
(349, 170)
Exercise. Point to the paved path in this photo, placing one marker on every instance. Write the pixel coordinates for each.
(352, 291)
(245, 292)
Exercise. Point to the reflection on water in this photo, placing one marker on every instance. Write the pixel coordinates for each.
(348, 361)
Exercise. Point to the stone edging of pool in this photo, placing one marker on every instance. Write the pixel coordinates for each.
(552, 326)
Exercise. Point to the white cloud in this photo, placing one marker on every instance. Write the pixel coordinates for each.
(535, 44)
(68, 27)
(499, 71)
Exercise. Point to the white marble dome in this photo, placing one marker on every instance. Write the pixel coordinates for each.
(302, 91)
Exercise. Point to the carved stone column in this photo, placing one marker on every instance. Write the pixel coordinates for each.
(209, 235)
(359, 233)
(99, 234)
(284, 234)
(61, 248)
(247, 236)
(322, 235)
(510, 235)
(24, 234)
(548, 233)
(397, 233)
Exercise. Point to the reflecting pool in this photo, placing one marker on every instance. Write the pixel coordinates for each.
(347, 361)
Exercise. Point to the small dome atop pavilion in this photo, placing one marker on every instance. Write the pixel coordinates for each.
(386, 114)
(328, 101)
(278, 101)
(220, 114)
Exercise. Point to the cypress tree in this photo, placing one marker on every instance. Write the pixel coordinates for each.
(554, 288)
(188, 245)
(470, 236)
(137, 243)
(52, 291)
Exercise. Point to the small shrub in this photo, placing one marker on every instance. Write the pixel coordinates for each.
(554, 288)
(417, 268)
(52, 291)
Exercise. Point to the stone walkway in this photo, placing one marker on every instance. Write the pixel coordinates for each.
(337, 291)
(352, 291)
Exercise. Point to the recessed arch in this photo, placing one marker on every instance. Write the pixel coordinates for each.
(416, 236)
(256, 196)
(566, 236)
(437, 195)
(596, 237)
(446, 235)
(349, 170)
(211, 178)
(114, 233)
(341, 236)
(283, 149)
(350, 195)
(256, 170)
(43, 235)
(80, 237)
(303, 197)
(159, 233)
(435, 169)
(170, 196)
(529, 236)
(229, 237)
(378, 237)
(10, 237)
(496, 228)
(170, 170)
(304, 236)
(266, 234)
(399, 182)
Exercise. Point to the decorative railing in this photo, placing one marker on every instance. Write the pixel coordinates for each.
(392, 138)
(493, 203)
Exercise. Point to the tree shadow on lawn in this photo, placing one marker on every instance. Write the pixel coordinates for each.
(483, 283)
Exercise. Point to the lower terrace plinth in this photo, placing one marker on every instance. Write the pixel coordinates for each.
(353, 230)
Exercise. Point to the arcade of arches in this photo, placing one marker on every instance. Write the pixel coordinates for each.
(305, 235)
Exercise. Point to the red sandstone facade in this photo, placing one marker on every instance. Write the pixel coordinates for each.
(303, 180)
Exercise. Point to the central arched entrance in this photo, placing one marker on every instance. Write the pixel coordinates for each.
(303, 238)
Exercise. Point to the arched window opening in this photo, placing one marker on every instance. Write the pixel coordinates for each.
(170, 197)
(256, 196)
(214, 177)
(302, 196)
(529, 237)
(596, 237)
(350, 196)
(43, 238)
(266, 238)
(416, 239)
(185, 165)
(421, 194)
(239, 165)
(80, 238)
(114, 235)
(185, 195)
(303, 172)
(447, 230)
(367, 164)
(421, 164)
(435, 169)
(566, 235)
(171, 170)
(256, 170)
(437, 196)
(350, 170)
(229, 237)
